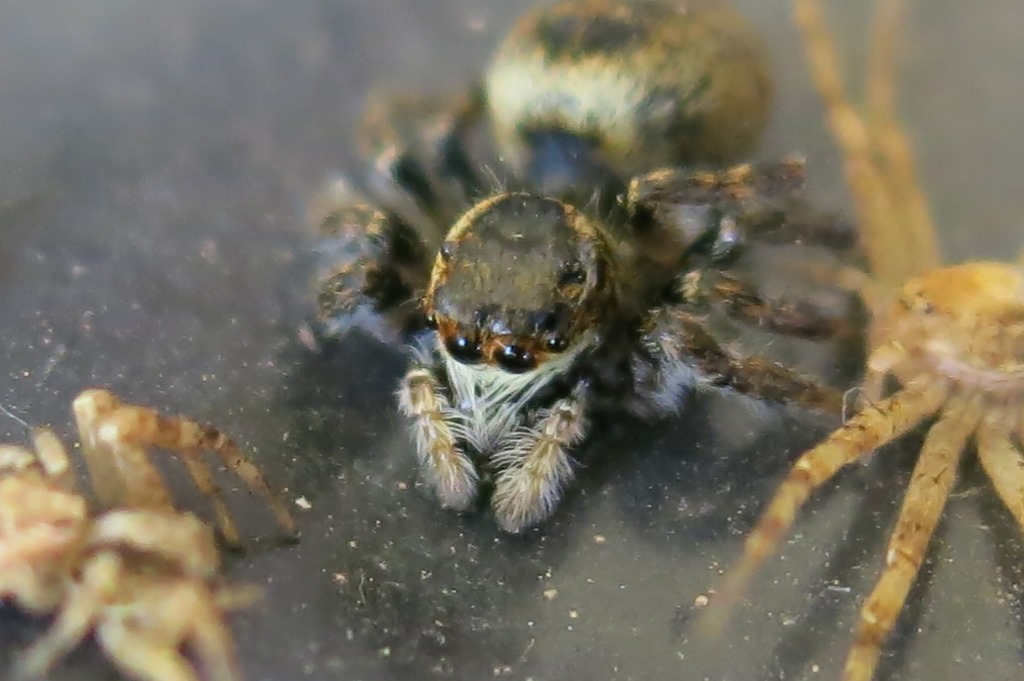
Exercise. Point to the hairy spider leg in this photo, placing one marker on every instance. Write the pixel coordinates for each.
(675, 336)
(873, 427)
(929, 488)
(895, 228)
(743, 301)
(681, 216)
(534, 465)
(1002, 460)
(372, 262)
(444, 464)
(422, 166)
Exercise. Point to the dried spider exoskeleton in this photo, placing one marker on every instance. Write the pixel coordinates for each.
(593, 279)
(142, 576)
(116, 436)
(953, 340)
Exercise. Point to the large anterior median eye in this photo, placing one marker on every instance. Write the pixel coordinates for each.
(464, 349)
(516, 359)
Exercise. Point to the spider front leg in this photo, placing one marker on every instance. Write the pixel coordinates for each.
(444, 463)
(534, 465)
(374, 267)
(686, 352)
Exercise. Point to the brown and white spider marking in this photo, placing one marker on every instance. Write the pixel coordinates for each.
(601, 279)
(141, 577)
(953, 340)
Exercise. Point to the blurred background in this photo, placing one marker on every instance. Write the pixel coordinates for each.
(155, 162)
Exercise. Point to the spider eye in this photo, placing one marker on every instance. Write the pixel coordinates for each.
(446, 251)
(430, 321)
(464, 349)
(574, 275)
(516, 359)
(557, 343)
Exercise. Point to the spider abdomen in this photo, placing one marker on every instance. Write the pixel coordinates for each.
(638, 84)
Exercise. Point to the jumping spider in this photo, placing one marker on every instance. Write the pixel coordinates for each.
(595, 278)
(140, 575)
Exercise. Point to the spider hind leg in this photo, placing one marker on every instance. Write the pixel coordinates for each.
(378, 242)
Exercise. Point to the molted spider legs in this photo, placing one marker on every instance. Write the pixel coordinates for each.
(444, 464)
(680, 340)
(86, 599)
(372, 262)
(145, 639)
(926, 495)
(534, 466)
(115, 437)
(1002, 460)
(877, 425)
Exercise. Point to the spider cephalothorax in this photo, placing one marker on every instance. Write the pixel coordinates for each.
(592, 280)
(520, 279)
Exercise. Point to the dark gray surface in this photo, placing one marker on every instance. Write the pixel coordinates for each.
(155, 159)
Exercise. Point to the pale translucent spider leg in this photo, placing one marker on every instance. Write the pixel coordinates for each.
(877, 425)
(15, 458)
(681, 337)
(890, 139)
(445, 465)
(53, 458)
(145, 641)
(132, 428)
(180, 538)
(124, 477)
(534, 467)
(930, 485)
(82, 608)
(1002, 461)
(881, 361)
(203, 477)
(894, 253)
(141, 658)
(212, 641)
